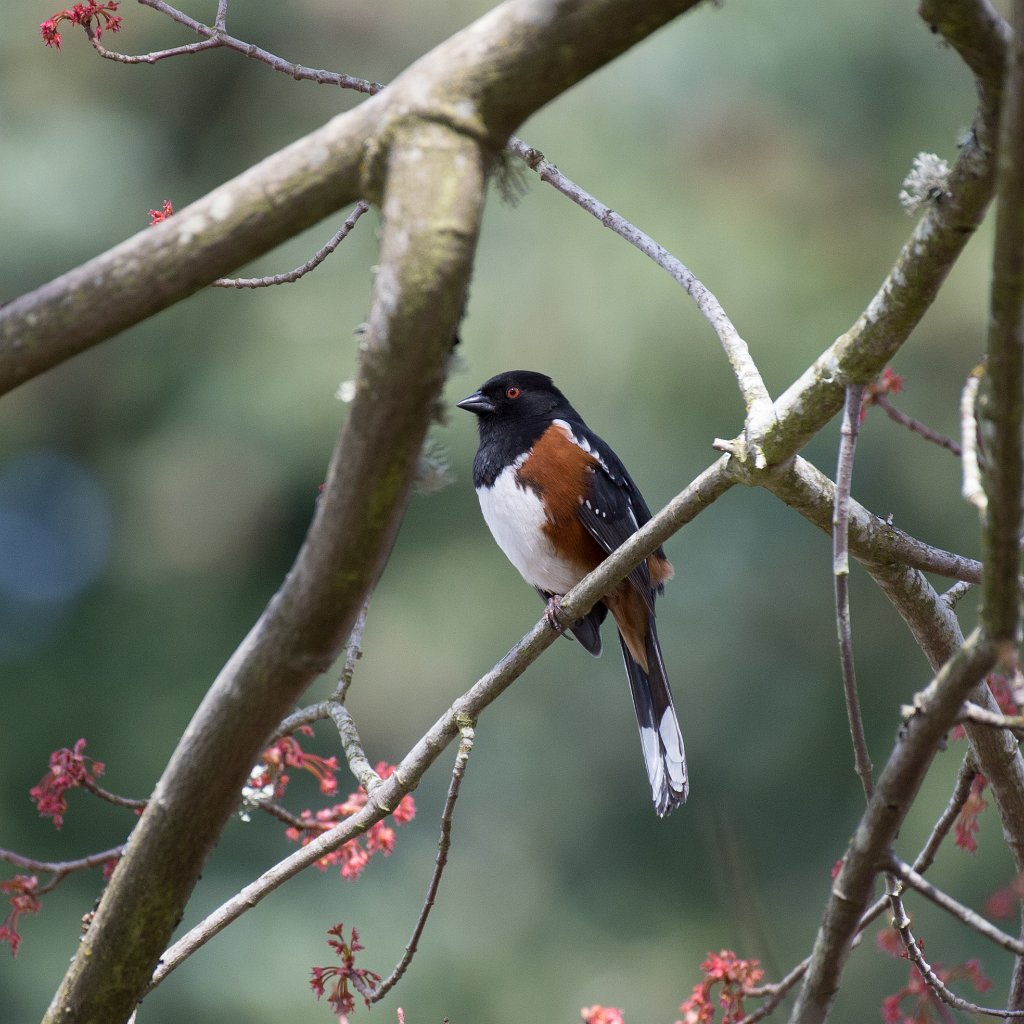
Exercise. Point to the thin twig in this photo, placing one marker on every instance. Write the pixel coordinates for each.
(973, 713)
(841, 572)
(311, 264)
(353, 652)
(900, 417)
(748, 377)
(961, 791)
(155, 55)
(443, 846)
(778, 991)
(775, 993)
(382, 800)
(901, 922)
(956, 593)
(217, 35)
(333, 707)
(914, 880)
(358, 762)
(972, 488)
(60, 869)
(304, 716)
(112, 798)
(282, 814)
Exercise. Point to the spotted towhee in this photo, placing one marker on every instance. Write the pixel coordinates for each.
(557, 500)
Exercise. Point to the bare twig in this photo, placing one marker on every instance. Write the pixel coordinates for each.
(311, 264)
(382, 800)
(841, 573)
(1001, 409)
(900, 417)
(358, 762)
(443, 846)
(304, 716)
(60, 869)
(353, 652)
(217, 36)
(775, 993)
(961, 791)
(973, 713)
(956, 593)
(895, 790)
(873, 540)
(901, 922)
(112, 798)
(282, 814)
(778, 991)
(919, 884)
(748, 377)
(972, 489)
(324, 709)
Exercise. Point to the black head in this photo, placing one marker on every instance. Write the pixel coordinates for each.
(518, 396)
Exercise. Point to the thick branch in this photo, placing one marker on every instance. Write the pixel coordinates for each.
(806, 489)
(162, 265)
(896, 789)
(422, 150)
(427, 247)
(859, 355)
(704, 490)
(1002, 405)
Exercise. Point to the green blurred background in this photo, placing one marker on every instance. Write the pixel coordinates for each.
(154, 491)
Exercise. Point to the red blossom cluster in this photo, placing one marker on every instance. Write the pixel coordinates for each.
(340, 996)
(734, 975)
(21, 890)
(967, 820)
(68, 769)
(85, 15)
(158, 216)
(1004, 902)
(356, 853)
(286, 753)
(927, 1006)
(601, 1015)
(889, 383)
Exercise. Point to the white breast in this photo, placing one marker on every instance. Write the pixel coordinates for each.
(516, 518)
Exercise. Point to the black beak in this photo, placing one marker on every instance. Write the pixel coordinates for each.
(477, 402)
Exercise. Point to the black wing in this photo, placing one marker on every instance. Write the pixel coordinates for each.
(614, 509)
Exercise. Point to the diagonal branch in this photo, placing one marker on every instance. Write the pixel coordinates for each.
(443, 847)
(1002, 401)
(420, 289)
(896, 789)
(383, 798)
(914, 880)
(481, 83)
(841, 575)
(980, 35)
(748, 377)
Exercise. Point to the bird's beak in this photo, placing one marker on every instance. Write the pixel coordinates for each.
(477, 402)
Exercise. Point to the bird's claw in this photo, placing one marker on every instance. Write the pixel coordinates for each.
(551, 614)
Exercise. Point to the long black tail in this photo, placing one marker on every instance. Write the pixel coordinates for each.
(660, 734)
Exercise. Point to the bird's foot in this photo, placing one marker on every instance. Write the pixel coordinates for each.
(551, 614)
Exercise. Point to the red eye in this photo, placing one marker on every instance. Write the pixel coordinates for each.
(512, 392)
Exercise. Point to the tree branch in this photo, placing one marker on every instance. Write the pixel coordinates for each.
(915, 881)
(841, 576)
(896, 788)
(860, 354)
(1002, 400)
(481, 83)
(443, 846)
(384, 797)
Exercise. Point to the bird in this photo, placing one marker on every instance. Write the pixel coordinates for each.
(557, 501)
